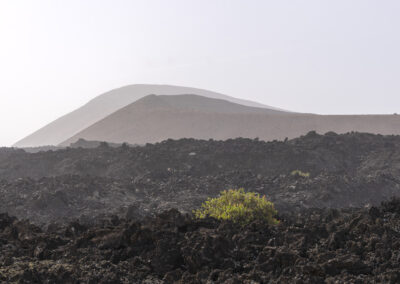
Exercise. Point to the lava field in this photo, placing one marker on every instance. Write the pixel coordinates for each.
(317, 246)
(123, 214)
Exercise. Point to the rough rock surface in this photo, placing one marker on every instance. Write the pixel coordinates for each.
(317, 246)
(352, 170)
(354, 154)
(104, 215)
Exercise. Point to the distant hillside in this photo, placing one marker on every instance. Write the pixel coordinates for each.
(156, 118)
(70, 124)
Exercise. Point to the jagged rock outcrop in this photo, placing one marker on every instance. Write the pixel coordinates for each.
(317, 246)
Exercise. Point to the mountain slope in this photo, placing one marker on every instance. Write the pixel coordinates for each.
(156, 118)
(104, 105)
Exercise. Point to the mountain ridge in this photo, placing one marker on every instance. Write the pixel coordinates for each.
(156, 118)
(105, 104)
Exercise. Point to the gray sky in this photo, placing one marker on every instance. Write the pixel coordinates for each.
(319, 56)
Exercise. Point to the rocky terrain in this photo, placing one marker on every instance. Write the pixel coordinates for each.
(122, 214)
(81, 143)
(317, 246)
(352, 170)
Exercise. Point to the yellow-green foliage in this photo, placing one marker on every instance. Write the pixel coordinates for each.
(238, 206)
(299, 173)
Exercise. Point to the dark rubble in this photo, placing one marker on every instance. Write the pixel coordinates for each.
(65, 198)
(355, 154)
(350, 170)
(123, 214)
(316, 246)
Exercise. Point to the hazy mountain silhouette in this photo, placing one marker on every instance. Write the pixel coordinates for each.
(104, 105)
(156, 118)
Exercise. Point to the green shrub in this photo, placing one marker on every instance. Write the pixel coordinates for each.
(298, 173)
(239, 207)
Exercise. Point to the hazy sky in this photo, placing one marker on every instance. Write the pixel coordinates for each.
(338, 56)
